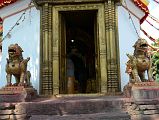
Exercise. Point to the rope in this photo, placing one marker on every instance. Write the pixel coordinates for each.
(22, 17)
(130, 11)
(153, 18)
(156, 1)
(131, 19)
(151, 38)
(16, 24)
(152, 25)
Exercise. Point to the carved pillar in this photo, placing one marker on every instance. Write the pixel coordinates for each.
(56, 52)
(46, 71)
(102, 51)
(113, 72)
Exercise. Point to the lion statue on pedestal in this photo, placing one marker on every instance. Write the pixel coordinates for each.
(17, 66)
(139, 62)
(137, 65)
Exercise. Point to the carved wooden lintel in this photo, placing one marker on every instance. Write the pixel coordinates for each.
(40, 2)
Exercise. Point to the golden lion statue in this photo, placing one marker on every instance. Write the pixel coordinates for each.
(17, 66)
(139, 63)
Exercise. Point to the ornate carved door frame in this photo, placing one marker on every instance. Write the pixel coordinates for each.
(102, 72)
(108, 64)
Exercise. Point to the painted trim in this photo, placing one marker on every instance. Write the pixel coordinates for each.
(4, 3)
(143, 7)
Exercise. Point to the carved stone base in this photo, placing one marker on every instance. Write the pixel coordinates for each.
(145, 91)
(17, 94)
(127, 90)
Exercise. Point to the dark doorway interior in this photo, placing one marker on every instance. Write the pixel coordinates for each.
(81, 39)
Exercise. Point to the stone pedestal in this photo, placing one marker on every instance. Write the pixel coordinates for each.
(17, 94)
(145, 91)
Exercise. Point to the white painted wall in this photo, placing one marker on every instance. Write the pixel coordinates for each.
(27, 35)
(127, 38)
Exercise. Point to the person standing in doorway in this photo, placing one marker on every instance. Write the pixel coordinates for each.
(70, 76)
(79, 69)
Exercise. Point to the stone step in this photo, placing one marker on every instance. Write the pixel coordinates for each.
(145, 117)
(7, 106)
(71, 105)
(95, 116)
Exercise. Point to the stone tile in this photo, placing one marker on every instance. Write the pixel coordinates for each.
(147, 102)
(19, 109)
(147, 107)
(6, 106)
(96, 116)
(4, 117)
(150, 112)
(15, 117)
(6, 112)
(145, 117)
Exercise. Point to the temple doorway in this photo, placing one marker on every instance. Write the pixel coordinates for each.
(79, 44)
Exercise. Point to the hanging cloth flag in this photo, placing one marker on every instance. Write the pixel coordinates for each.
(1, 32)
(138, 7)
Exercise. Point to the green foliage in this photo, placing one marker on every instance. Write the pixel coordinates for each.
(155, 62)
(156, 43)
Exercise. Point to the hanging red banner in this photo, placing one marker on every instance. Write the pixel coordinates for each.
(6, 2)
(151, 38)
(142, 4)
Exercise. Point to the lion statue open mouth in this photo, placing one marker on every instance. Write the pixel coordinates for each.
(17, 66)
(139, 62)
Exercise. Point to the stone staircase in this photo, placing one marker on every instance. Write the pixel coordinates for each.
(77, 108)
(81, 108)
(66, 108)
(95, 116)
(143, 110)
(9, 112)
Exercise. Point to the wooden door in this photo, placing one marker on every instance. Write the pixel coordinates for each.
(97, 67)
(63, 80)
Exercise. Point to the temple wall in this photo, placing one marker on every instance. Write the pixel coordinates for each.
(27, 35)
